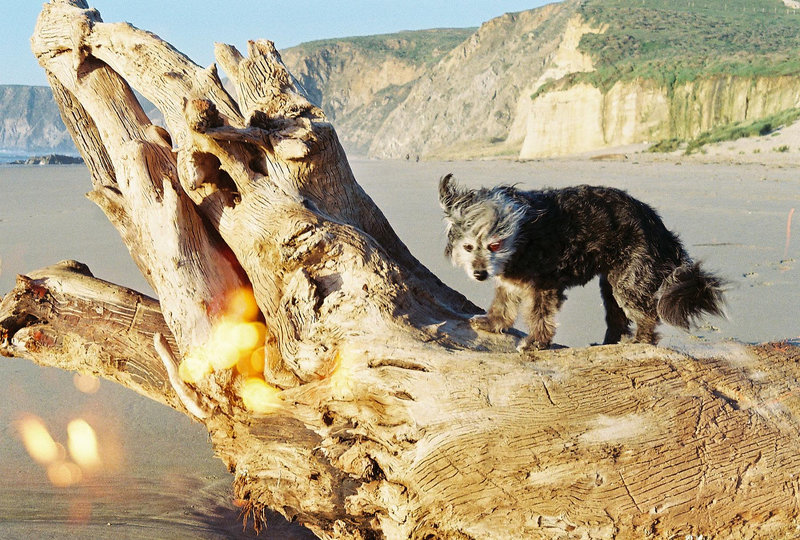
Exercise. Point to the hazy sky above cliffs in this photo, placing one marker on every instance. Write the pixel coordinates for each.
(192, 26)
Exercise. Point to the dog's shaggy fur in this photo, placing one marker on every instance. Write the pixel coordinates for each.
(536, 244)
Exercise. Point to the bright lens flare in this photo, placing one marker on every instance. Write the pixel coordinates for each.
(82, 444)
(37, 440)
(237, 341)
(64, 474)
(234, 340)
(254, 365)
(88, 384)
(242, 305)
(260, 397)
(341, 373)
(195, 366)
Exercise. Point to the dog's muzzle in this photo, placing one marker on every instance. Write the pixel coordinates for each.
(480, 275)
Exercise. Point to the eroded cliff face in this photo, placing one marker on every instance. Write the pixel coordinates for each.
(354, 90)
(566, 60)
(581, 118)
(359, 81)
(700, 105)
(465, 105)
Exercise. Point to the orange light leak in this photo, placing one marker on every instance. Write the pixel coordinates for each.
(82, 444)
(788, 233)
(236, 342)
(88, 384)
(44, 450)
(64, 474)
(341, 372)
(260, 397)
(38, 441)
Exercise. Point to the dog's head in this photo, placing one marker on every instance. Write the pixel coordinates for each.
(482, 226)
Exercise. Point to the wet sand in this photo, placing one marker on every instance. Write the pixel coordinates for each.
(165, 481)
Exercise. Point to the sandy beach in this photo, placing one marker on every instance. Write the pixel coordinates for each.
(732, 207)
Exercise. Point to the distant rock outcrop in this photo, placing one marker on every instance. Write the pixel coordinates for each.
(30, 121)
(50, 159)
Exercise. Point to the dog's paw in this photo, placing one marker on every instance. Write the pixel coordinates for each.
(646, 339)
(529, 344)
(483, 322)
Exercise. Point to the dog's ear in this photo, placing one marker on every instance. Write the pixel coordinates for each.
(448, 191)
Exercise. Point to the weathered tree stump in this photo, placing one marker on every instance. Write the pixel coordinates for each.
(376, 410)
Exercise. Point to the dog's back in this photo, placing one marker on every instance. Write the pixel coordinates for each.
(575, 233)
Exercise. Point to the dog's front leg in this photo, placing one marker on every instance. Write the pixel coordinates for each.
(541, 318)
(503, 311)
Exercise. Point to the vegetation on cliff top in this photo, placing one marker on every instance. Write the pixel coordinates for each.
(419, 47)
(680, 40)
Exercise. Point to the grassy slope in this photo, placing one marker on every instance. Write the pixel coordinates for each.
(679, 40)
(416, 47)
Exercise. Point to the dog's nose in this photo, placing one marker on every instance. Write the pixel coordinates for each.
(480, 275)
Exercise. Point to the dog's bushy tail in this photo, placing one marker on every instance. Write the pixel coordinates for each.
(689, 292)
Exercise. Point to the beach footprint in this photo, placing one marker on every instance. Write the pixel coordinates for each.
(754, 279)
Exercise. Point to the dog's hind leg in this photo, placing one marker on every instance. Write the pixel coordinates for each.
(644, 315)
(646, 330)
(503, 311)
(617, 323)
(634, 290)
(541, 318)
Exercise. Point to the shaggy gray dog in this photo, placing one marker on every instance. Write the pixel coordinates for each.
(536, 244)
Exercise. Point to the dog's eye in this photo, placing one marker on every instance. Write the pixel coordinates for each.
(495, 246)
(467, 247)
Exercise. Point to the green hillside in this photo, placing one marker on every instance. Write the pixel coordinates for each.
(421, 47)
(678, 40)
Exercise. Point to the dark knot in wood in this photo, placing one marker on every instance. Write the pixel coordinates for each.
(202, 115)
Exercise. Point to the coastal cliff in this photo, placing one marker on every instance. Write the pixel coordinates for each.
(575, 77)
(566, 78)
(359, 81)
(582, 118)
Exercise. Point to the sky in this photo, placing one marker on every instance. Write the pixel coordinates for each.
(192, 26)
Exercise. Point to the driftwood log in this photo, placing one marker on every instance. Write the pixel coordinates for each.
(375, 410)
